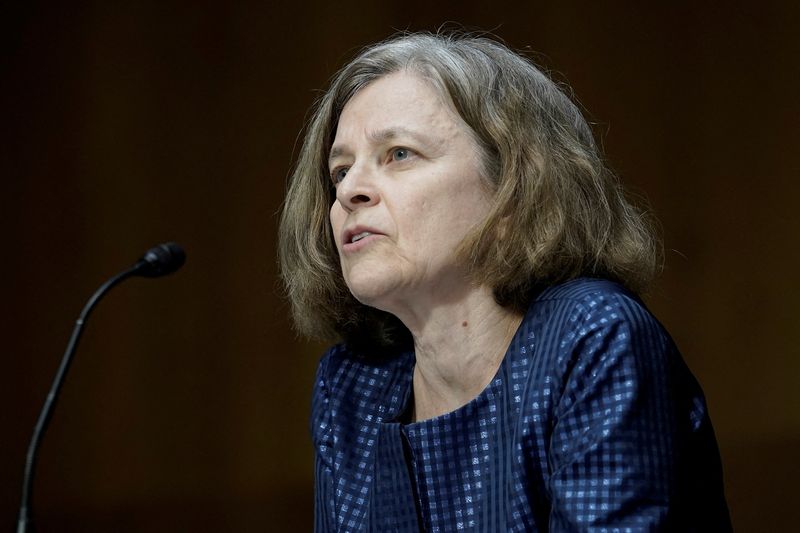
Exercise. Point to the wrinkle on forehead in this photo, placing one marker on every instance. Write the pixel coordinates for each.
(422, 113)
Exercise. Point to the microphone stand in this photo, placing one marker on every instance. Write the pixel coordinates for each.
(47, 410)
(158, 261)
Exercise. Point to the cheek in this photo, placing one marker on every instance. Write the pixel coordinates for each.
(458, 211)
(453, 220)
(337, 218)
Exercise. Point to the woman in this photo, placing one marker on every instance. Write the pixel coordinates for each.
(451, 221)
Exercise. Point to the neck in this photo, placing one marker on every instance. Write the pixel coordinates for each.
(459, 347)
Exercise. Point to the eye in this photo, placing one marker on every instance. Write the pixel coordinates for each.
(338, 174)
(401, 154)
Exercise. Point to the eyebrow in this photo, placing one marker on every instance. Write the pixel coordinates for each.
(382, 136)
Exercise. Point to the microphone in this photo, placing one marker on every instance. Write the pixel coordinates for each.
(158, 261)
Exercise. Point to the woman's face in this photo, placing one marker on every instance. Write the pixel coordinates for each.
(408, 183)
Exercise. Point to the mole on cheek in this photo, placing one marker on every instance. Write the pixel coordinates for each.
(464, 324)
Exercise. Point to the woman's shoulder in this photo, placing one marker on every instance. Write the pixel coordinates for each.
(354, 383)
(582, 289)
(586, 322)
(344, 364)
(584, 303)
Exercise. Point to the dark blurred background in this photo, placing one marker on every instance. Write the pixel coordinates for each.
(130, 123)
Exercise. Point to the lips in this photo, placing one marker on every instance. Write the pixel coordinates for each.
(357, 236)
(360, 236)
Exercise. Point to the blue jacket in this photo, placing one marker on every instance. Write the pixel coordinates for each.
(593, 422)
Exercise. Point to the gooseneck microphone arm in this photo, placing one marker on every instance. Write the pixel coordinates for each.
(158, 261)
(52, 396)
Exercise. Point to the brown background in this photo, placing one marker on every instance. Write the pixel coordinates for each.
(130, 123)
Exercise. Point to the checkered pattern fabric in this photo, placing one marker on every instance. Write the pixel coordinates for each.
(592, 423)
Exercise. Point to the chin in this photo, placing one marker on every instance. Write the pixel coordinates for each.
(371, 288)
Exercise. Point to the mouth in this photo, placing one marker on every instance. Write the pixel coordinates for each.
(357, 237)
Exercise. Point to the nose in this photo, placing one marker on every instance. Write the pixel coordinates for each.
(357, 189)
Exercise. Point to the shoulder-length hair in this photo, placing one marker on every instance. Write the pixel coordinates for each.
(558, 211)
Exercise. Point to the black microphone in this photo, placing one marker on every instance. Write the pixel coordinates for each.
(158, 261)
(161, 260)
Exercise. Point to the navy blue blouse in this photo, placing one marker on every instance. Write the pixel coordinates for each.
(592, 423)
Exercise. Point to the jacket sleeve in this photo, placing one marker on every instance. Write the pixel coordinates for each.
(627, 426)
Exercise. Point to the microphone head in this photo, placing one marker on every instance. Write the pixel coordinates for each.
(161, 260)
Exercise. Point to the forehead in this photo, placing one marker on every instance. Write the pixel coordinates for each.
(401, 101)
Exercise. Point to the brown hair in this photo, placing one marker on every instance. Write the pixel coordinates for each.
(558, 211)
